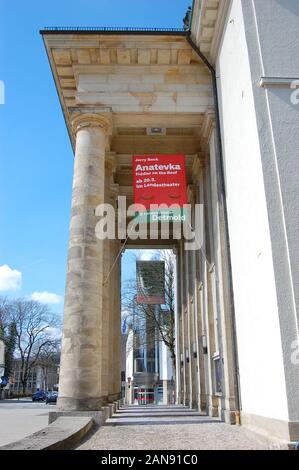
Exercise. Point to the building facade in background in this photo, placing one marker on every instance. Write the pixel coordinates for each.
(224, 95)
(40, 378)
(149, 371)
(2, 365)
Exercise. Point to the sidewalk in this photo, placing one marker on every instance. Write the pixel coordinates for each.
(19, 418)
(170, 428)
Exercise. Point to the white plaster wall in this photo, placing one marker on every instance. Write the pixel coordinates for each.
(2, 352)
(262, 377)
(129, 355)
(39, 378)
(271, 29)
(166, 370)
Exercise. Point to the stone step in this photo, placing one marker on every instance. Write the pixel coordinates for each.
(64, 433)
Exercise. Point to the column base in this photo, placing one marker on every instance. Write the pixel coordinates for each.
(98, 416)
(229, 416)
(168, 389)
(179, 399)
(81, 404)
(213, 411)
(190, 402)
(202, 403)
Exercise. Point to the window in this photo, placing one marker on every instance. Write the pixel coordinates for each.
(218, 374)
(139, 365)
(151, 366)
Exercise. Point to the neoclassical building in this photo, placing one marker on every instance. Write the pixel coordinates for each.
(224, 94)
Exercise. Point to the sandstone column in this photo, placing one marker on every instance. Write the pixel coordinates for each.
(184, 379)
(107, 357)
(211, 311)
(201, 298)
(225, 343)
(117, 323)
(177, 327)
(80, 384)
(113, 292)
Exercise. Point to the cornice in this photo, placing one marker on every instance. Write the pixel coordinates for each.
(208, 22)
(222, 16)
(279, 82)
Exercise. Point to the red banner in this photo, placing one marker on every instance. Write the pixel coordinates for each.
(159, 179)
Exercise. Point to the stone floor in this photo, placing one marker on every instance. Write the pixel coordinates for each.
(169, 428)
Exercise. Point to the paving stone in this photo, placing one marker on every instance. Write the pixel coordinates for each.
(170, 428)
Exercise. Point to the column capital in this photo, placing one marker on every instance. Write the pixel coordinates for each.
(110, 160)
(87, 118)
(114, 192)
(198, 164)
(191, 193)
(209, 124)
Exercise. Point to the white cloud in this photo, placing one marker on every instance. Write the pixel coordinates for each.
(46, 297)
(148, 255)
(10, 279)
(54, 332)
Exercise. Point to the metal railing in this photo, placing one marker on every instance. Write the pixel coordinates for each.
(113, 29)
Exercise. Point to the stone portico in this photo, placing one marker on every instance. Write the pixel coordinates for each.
(125, 94)
(128, 92)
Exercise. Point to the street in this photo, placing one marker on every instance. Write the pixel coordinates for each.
(20, 418)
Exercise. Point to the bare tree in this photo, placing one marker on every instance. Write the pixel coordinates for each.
(7, 335)
(148, 322)
(34, 324)
(3, 312)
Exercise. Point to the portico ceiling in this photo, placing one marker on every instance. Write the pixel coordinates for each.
(143, 82)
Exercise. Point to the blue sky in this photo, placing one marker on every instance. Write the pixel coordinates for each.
(35, 153)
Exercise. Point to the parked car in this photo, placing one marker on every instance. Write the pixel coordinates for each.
(51, 397)
(40, 395)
